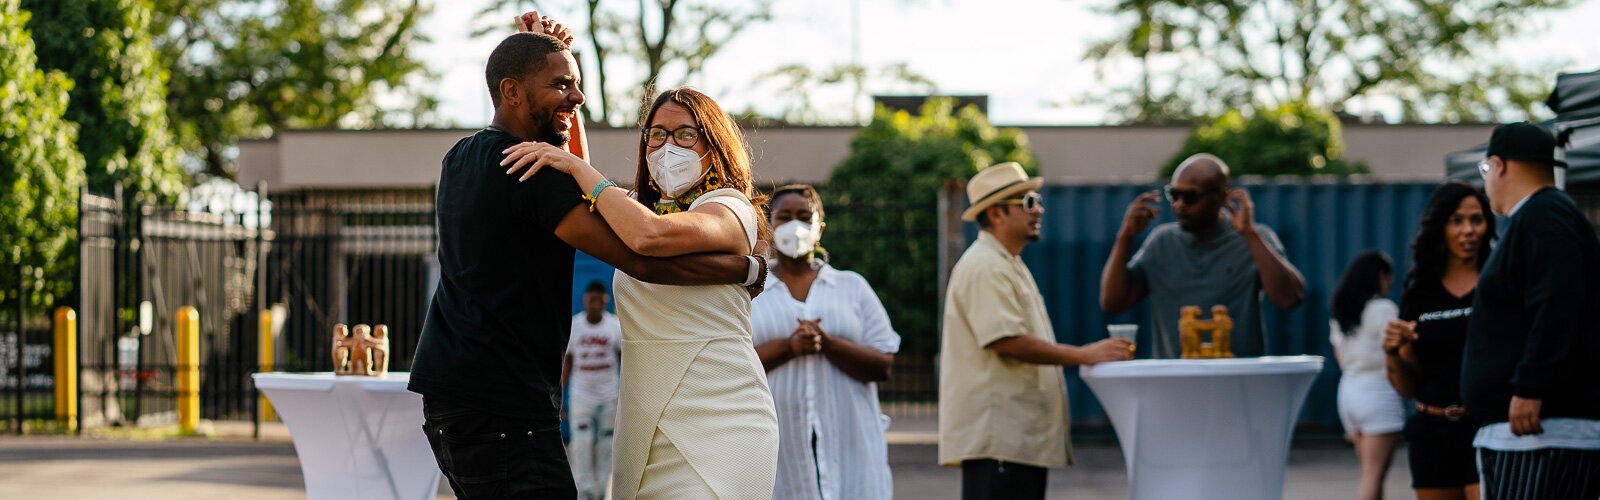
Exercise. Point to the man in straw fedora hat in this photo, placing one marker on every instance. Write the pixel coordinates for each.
(1002, 396)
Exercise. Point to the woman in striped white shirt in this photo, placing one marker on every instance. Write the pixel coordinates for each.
(825, 341)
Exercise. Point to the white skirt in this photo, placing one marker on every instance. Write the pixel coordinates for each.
(1369, 405)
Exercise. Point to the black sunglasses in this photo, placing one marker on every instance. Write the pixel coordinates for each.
(1030, 202)
(1188, 196)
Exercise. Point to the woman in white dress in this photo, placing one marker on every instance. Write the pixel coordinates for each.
(826, 342)
(695, 417)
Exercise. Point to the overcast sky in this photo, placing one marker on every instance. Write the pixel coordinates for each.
(1025, 54)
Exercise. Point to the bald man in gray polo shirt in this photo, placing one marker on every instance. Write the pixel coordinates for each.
(1214, 254)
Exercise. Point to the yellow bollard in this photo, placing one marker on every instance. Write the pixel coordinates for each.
(188, 369)
(264, 348)
(66, 375)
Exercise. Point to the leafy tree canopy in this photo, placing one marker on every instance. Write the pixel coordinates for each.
(40, 171)
(883, 203)
(1292, 139)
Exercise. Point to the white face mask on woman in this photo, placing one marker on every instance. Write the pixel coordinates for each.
(675, 169)
(796, 238)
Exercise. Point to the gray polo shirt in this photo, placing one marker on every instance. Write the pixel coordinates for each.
(1180, 269)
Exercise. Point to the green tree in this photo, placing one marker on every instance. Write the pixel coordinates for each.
(245, 68)
(883, 201)
(118, 98)
(40, 171)
(1201, 58)
(1292, 139)
(635, 44)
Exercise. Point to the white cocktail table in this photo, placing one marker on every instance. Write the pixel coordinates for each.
(1204, 428)
(357, 437)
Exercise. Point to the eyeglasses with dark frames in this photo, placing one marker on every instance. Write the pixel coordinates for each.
(685, 136)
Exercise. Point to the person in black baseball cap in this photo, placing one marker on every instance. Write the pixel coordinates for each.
(1520, 161)
(1532, 353)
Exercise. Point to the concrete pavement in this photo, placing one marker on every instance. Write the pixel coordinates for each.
(63, 468)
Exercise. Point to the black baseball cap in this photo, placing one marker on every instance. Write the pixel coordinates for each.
(1524, 141)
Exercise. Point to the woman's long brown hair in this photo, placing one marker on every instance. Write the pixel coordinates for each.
(725, 146)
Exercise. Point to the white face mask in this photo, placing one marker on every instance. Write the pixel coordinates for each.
(796, 238)
(674, 168)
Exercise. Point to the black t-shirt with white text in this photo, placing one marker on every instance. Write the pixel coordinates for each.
(1441, 335)
(499, 320)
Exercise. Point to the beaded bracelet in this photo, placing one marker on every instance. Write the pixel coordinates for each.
(594, 196)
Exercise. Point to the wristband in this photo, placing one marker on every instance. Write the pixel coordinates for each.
(594, 196)
(757, 273)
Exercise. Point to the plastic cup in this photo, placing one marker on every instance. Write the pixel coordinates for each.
(1124, 331)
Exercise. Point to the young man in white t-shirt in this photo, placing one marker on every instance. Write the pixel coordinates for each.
(589, 372)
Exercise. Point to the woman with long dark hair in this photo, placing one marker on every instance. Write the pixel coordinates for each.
(695, 418)
(1369, 409)
(1424, 346)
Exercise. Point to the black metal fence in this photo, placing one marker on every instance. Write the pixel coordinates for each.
(26, 368)
(351, 257)
(317, 258)
(137, 267)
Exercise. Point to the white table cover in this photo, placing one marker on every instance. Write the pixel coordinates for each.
(357, 437)
(1204, 428)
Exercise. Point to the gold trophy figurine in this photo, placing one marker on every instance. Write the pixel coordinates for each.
(1191, 328)
(379, 344)
(343, 344)
(359, 352)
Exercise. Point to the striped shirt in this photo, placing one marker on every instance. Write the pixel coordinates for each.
(831, 430)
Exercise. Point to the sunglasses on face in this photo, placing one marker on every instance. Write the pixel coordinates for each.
(1188, 196)
(685, 136)
(1029, 202)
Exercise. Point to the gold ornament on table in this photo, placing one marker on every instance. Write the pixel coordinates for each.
(1192, 330)
(363, 350)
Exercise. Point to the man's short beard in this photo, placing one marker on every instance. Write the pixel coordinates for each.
(546, 133)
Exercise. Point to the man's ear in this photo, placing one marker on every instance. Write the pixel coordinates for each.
(996, 212)
(510, 91)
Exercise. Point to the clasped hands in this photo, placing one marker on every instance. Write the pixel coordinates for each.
(808, 337)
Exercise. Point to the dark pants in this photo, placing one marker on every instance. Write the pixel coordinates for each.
(490, 456)
(1546, 474)
(995, 480)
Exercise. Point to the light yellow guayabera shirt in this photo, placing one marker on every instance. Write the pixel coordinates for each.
(989, 406)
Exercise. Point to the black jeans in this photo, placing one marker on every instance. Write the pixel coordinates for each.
(995, 480)
(489, 456)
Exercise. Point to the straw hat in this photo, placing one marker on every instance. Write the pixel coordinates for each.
(997, 183)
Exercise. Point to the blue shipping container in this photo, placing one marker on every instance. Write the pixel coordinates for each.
(1322, 226)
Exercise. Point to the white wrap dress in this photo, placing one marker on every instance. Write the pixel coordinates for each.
(695, 418)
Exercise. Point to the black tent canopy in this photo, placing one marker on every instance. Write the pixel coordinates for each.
(1576, 101)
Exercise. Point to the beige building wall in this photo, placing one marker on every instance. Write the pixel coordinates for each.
(1089, 154)
(1410, 152)
(1104, 154)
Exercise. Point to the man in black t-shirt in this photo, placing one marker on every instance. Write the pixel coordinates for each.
(1531, 368)
(488, 364)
